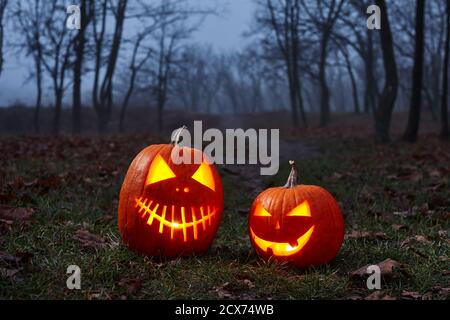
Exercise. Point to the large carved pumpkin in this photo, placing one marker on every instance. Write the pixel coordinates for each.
(167, 209)
(300, 224)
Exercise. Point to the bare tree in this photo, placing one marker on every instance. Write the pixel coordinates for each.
(348, 65)
(102, 91)
(444, 101)
(136, 64)
(387, 99)
(87, 11)
(191, 76)
(30, 24)
(57, 51)
(252, 73)
(177, 23)
(323, 16)
(3, 4)
(412, 128)
(434, 50)
(281, 19)
(357, 36)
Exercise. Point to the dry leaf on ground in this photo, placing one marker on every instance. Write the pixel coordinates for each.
(355, 234)
(88, 239)
(379, 295)
(222, 291)
(415, 240)
(388, 268)
(14, 213)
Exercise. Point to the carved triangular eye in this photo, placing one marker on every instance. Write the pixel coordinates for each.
(205, 176)
(159, 171)
(301, 210)
(261, 212)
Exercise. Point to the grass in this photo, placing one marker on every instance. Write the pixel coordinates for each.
(73, 184)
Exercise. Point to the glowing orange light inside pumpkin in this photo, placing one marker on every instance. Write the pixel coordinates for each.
(159, 171)
(204, 176)
(146, 208)
(301, 210)
(261, 212)
(282, 249)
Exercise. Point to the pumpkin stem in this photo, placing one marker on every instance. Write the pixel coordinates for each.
(292, 179)
(176, 136)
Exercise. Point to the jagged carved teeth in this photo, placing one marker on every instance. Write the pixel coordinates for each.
(175, 217)
(282, 248)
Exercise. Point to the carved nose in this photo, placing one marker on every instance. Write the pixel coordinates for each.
(277, 227)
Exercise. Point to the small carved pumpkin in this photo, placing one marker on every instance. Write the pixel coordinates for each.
(300, 224)
(167, 209)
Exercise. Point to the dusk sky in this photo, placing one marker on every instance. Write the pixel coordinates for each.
(223, 32)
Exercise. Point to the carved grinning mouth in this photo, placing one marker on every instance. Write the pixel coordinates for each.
(199, 216)
(282, 249)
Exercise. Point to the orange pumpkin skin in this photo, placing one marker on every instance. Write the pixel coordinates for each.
(172, 217)
(300, 224)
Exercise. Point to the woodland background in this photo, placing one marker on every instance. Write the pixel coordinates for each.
(363, 112)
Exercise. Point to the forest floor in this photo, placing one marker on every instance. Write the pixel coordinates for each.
(63, 194)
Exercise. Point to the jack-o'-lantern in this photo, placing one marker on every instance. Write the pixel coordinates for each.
(169, 209)
(300, 224)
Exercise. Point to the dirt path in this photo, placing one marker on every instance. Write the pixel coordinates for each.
(249, 178)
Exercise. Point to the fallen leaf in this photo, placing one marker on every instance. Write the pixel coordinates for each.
(366, 235)
(93, 296)
(412, 295)
(388, 268)
(441, 290)
(379, 295)
(14, 213)
(222, 291)
(8, 273)
(415, 240)
(443, 233)
(249, 283)
(88, 239)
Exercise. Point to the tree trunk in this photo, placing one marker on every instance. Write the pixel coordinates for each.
(103, 95)
(444, 103)
(389, 95)
(78, 65)
(37, 109)
(293, 100)
(78, 68)
(353, 82)
(324, 91)
(160, 117)
(370, 94)
(126, 100)
(57, 115)
(412, 128)
(298, 92)
(3, 4)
